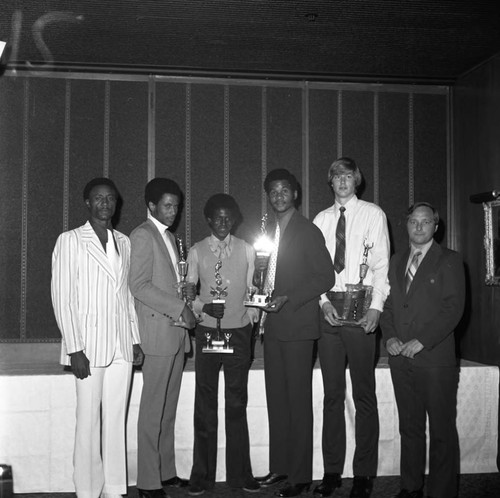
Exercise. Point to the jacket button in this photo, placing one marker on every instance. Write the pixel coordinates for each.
(405, 306)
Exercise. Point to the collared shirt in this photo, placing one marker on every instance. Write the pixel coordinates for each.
(365, 222)
(221, 248)
(168, 242)
(424, 250)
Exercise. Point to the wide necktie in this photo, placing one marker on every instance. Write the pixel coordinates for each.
(339, 260)
(222, 250)
(412, 269)
(271, 270)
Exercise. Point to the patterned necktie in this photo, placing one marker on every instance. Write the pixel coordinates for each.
(412, 269)
(222, 250)
(271, 271)
(339, 260)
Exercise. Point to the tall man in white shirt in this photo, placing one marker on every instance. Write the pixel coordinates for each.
(360, 224)
(95, 313)
(153, 282)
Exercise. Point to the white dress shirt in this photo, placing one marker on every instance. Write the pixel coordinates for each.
(365, 221)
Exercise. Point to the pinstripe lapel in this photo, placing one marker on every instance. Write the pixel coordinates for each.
(122, 247)
(95, 249)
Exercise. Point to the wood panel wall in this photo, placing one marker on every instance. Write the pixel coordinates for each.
(476, 132)
(57, 131)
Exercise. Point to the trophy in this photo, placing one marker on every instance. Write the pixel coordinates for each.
(358, 296)
(182, 269)
(256, 296)
(219, 343)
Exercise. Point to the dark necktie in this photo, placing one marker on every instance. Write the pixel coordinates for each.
(339, 260)
(412, 269)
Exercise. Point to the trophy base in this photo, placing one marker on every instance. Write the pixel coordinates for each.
(217, 349)
(257, 301)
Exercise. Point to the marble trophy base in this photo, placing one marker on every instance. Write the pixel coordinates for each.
(257, 301)
(218, 345)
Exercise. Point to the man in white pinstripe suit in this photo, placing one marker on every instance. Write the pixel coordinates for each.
(95, 313)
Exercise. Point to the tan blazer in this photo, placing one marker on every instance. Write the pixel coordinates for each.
(152, 282)
(92, 305)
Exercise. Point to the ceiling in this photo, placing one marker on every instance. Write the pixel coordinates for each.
(421, 41)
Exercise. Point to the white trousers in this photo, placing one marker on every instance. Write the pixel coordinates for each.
(100, 463)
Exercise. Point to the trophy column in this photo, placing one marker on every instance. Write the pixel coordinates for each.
(219, 343)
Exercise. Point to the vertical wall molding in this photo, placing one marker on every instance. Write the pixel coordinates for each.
(107, 112)
(411, 150)
(151, 128)
(263, 148)
(339, 123)
(24, 212)
(226, 139)
(376, 170)
(187, 204)
(451, 223)
(305, 150)
(67, 138)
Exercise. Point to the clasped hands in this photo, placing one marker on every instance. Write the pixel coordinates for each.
(369, 322)
(396, 346)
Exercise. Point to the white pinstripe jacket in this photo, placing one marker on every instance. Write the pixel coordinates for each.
(92, 307)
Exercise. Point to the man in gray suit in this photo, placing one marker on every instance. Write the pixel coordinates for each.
(153, 279)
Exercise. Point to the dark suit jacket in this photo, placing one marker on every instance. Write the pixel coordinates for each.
(304, 270)
(431, 309)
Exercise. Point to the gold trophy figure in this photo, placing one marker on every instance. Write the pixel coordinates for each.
(358, 296)
(219, 344)
(264, 246)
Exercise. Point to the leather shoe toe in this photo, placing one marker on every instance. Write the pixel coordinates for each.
(176, 482)
(292, 489)
(151, 493)
(270, 479)
(328, 485)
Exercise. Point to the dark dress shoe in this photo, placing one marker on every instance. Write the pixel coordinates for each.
(328, 485)
(270, 479)
(151, 493)
(176, 482)
(404, 493)
(362, 487)
(293, 489)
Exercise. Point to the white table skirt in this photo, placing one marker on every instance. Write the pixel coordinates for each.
(37, 423)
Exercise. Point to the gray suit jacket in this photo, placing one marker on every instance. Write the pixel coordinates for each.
(152, 281)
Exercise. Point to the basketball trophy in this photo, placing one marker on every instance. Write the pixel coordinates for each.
(219, 343)
(256, 296)
(358, 296)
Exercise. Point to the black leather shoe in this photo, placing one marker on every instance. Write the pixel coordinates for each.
(151, 493)
(176, 482)
(362, 487)
(270, 479)
(328, 485)
(404, 493)
(293, 489)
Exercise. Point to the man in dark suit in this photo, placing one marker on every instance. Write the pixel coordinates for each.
(153, 278)
(425, 305)
(303, 270)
